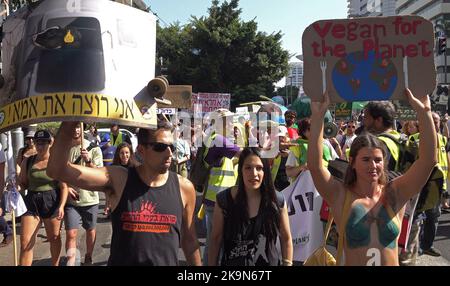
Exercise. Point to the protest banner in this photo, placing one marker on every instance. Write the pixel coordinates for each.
(77, 62)
(369, 59)
(343, 111)
(404, 111)
(212, 101)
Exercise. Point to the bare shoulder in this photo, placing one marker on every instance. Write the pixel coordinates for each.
(185, 184)
(117, 175)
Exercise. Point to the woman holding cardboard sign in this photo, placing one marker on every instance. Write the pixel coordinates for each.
(368, 209)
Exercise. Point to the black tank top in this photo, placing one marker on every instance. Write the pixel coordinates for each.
(147, 223)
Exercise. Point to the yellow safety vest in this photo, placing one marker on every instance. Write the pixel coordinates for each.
(275, 167)
(392, 146)
(442, 158)
(220, 178)
(442, 163)
(119, 139)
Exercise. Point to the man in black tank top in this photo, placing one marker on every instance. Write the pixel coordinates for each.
(152, 208)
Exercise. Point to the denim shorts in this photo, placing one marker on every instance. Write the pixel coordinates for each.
(42, 204)
(86, 216)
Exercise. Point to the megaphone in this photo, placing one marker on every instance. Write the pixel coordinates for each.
(157, 88)
(330, 130)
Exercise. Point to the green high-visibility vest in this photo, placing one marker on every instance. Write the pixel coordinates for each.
(275, 167)
(118, 141)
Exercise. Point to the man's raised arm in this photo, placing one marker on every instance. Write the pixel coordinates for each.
(59, 167)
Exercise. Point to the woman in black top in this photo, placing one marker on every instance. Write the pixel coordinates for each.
(122, 157)
(249, 218)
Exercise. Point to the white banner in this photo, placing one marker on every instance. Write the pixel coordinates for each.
(166, 111)
(211, 101)
(304, 203)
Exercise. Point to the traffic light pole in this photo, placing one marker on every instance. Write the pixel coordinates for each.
(445, 65)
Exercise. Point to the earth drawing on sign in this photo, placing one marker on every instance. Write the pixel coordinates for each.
(362, 78)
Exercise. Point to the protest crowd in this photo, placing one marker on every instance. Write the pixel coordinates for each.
(271, 186)
(269, 183)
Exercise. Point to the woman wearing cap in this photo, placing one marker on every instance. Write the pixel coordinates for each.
(45, 201)
(28, 150)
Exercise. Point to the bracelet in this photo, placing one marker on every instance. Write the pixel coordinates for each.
(287, 262)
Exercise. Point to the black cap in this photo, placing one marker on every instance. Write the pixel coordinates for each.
(42, 135)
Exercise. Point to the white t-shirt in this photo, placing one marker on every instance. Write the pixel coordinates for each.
(348, 142)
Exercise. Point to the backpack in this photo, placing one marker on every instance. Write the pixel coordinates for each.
(408, 152)
(199, 173)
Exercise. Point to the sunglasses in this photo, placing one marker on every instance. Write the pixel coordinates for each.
(352, 127)
(160, 147)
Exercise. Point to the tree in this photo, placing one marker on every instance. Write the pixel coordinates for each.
(222, 53)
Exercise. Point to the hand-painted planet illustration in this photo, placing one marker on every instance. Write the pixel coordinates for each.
(363, 78)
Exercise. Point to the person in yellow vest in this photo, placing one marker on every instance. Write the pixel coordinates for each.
(379, 119)
(431, 206)
(223, 174)
(117, 137)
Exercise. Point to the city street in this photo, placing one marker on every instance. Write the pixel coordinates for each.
(101, 252)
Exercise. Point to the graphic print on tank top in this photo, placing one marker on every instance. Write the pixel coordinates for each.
(147, 219)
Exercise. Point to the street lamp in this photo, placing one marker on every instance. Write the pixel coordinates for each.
(290, 88)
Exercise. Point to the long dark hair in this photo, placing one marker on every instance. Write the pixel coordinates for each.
(116, 159)
(269, 209)
(364, 140)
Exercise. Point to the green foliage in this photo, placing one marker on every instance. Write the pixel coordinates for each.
(222, 53)
(52, 127)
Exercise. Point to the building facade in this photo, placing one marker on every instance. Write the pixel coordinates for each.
(370, 8)
(295, 75)
(438, 12)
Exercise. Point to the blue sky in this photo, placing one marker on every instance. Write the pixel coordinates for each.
(291, 17)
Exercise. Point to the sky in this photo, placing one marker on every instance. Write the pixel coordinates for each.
(291, 17)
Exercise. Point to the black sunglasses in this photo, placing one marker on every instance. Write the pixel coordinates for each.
(160, 147)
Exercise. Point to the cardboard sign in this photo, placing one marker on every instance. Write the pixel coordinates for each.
(369, 59)
(180, 96)
(57, 56)
(212, 101)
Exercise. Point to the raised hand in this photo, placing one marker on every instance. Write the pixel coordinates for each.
(320, 107)
(423, 104)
